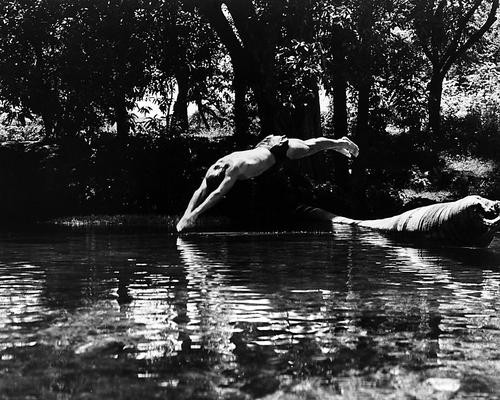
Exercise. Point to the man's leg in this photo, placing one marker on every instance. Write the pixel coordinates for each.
(304, 148)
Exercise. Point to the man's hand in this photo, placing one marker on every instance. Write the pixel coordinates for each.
(184, 223)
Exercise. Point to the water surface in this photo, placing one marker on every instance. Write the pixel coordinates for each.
(93, 315)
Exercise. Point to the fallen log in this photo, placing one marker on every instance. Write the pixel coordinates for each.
(468, 222)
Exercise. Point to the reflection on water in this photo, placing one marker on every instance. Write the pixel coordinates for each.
(246, 315)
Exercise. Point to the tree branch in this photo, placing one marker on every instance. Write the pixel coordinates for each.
(453, 46)
(211, 10)
(474, 38)
(241, 11)
(437, 34)
(422, 21)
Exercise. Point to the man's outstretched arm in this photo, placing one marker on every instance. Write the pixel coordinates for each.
(197, 198)
(190, 216)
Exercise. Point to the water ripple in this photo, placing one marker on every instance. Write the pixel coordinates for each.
(316, 306)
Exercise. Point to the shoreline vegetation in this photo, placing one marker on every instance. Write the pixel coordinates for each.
(141, 181)
(145, 182)
(139, 221)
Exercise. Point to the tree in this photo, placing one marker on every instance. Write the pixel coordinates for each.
(269, 43)
(299, 70)
(446, 31)
(186, 49)
(402, 90)
(116, 41)
(30, 60)
(251, 39)
(75, 63)
(365, 19)
(353, 34)
(335, 39)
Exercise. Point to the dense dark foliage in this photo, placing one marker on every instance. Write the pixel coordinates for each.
(414, 82)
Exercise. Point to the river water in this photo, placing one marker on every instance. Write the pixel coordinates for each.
(342, 315)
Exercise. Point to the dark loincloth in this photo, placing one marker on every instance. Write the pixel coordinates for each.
(277, 145)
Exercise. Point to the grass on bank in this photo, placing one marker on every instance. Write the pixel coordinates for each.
(164, 222)
(132, 220)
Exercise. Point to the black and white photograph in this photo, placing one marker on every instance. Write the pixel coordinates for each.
(249, 199)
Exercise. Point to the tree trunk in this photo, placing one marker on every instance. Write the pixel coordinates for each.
(121, 117)
(241, 122)
(201, 113)
(47, 102)
(435, 88)
(362, 138)
(340, 127)
(305, 124)
(268, 112)
(180, 112)
(339, 94)
(305, 121)
(48, 124)
(363, 113)
(339, 105)
(313, 116)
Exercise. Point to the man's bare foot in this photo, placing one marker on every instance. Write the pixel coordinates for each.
(350, 148)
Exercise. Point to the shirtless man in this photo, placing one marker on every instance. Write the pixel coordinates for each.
(248, 164)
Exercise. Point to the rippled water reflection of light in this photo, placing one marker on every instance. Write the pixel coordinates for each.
(298, 306)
